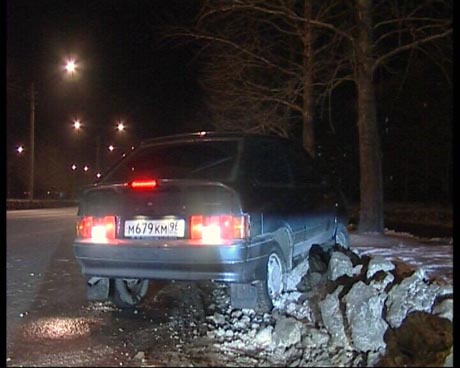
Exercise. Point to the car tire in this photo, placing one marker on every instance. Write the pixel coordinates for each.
(127, 293)
(341, 237)
(270, 289)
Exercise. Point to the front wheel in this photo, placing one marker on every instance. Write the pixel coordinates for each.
(342, 237)
(127, 293)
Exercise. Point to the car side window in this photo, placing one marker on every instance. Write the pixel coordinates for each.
(302, 167)
(268, 164)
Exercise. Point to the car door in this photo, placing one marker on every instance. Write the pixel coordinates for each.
(271, 190)
(315, 200)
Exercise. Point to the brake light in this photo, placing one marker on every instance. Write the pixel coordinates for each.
(215, 228)
(146, 184)
(97, 228)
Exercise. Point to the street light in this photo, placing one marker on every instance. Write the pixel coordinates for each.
(20, 149)
(77, 124)
(71, 66)
(120, 127)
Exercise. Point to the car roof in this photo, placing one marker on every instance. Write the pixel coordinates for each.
(206, 135)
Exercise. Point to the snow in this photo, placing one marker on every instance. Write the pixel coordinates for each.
(435, 255)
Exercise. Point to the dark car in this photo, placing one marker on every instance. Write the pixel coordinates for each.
(234, 208)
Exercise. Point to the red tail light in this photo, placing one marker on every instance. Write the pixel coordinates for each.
(145, 184)
(98, 228)
(216, 228)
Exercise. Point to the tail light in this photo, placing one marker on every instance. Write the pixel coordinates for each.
(98, 228)
(215, 228)
(144, 184)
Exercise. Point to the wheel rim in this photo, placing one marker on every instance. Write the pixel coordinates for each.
(274, 276)
(341, 240)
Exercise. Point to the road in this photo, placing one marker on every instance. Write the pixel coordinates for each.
(50, 322)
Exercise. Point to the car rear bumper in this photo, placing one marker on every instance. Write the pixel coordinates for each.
(176, 260)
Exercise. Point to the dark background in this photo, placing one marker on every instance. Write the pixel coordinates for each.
(128, 72)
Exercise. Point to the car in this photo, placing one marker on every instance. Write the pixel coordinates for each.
(233, 208)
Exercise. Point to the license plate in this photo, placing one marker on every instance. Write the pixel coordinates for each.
(155, 228)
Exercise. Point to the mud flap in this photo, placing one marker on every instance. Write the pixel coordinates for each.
(243, 296)
(97, 288)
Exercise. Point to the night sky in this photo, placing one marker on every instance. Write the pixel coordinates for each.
(126, 71)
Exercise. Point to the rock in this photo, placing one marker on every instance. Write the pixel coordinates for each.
(422, 339)
(364, 307)
(263, 338)
(449, 362)
(301, 311)
(343, 358)
(239, 325)
(333, 319)
(140, 355)
(220, 332)
(373, 358)
(445, 309)
(287, 333)
(378, 263)
(237, 314)
(412, 294)
(314, 279)
(296, 274)
(318, 259)
(315, 338)
(286, 299)
(217, 318)
(339, 265)
(248, 312)
(380, 285)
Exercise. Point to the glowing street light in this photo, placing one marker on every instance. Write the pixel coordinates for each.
(74, 167)
(120, 127)
(71, 66)
(20, 149)
(77, 124)
(111, 148)
(86, 168)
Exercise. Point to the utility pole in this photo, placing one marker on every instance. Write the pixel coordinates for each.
(98, 152)
(32, 141)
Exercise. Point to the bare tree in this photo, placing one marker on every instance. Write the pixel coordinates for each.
(261, 62)
(399, 27)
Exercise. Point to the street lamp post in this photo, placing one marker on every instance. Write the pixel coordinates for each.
(71, 68)
(32, 142)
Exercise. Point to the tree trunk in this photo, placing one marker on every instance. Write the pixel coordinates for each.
(371, 185)
(308, 131)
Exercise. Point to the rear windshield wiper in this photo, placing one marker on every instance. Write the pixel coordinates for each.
(211, 164)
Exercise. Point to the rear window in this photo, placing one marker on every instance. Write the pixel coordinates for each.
(214, 160)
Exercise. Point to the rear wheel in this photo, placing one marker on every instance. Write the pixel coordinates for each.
(127, 293)
(270, 289)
